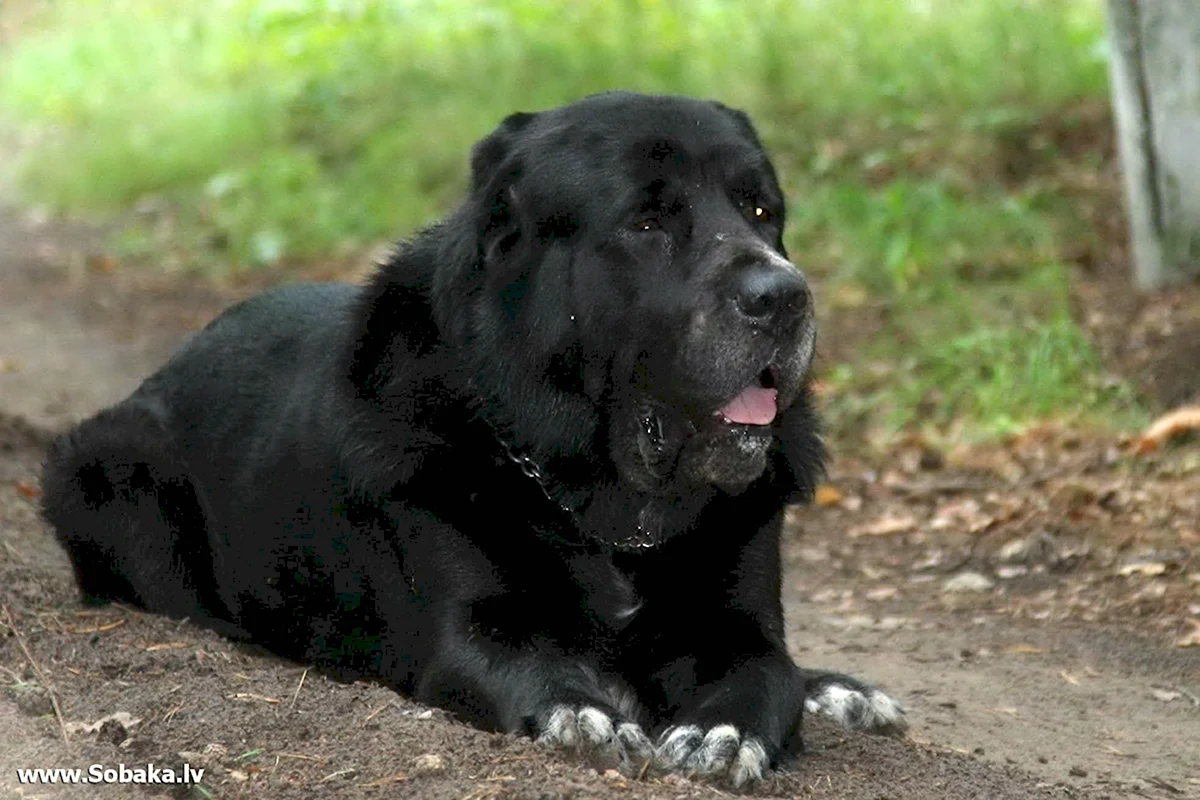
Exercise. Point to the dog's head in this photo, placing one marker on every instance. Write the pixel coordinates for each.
(630, 286)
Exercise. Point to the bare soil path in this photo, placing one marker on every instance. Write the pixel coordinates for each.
(1030, 602)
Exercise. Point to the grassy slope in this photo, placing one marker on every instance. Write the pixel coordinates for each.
(304, 130)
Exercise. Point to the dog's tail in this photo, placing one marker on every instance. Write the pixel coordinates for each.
(130, 515)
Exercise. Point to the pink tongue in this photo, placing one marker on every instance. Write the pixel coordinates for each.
(754, 406)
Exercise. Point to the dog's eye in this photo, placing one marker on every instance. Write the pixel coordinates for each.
(755, 211)
(647, 225)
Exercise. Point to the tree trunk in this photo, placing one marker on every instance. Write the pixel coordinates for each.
(1156, 89)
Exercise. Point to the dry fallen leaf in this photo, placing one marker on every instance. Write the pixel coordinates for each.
(123, 718)
(886, 525)
(1147, 569)
(1167, 427)
(962, 514)
(101, 263)
(1024, 649)
(1191, 638)
(828, 495)
(28, 490)
(967, 581)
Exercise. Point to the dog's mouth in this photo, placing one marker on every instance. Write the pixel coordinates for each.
(723, 433)
(757, 404)
(726, 447)
(754, 408)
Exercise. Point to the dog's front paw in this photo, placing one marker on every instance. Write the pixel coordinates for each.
(721, 751)
(597, 737)
(855, 705)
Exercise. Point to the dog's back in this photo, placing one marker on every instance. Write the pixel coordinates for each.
(130, 491)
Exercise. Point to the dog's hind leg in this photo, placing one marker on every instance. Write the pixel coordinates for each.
(130, 515)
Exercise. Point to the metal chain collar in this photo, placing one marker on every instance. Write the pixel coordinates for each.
(642, 540)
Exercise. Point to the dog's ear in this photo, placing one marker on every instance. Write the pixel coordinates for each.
(494, 171)
(492, 151)
(742, 120)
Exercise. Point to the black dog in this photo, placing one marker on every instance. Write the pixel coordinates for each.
(532, 473)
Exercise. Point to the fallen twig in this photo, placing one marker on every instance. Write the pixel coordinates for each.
(377, 711)
(338, 774)
(97, 629)
(62, 725)
(251, 696)
(303, 675)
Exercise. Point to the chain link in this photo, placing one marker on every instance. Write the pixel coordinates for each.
(531, 469)
(641, 540)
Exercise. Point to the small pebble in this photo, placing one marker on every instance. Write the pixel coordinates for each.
(429, 762)
(968, 582)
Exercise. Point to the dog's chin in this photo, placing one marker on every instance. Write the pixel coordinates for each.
(657, 451)
(728, 456)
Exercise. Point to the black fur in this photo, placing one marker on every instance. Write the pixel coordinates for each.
(333, 471)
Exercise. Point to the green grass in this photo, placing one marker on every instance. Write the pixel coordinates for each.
(298, 130)
(990, 380)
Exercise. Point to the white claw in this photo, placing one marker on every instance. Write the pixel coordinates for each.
(676, 745)
(595, 727)
(719, 751)
(750, 764)
(590, 732)
(561, 730)
(716, 750)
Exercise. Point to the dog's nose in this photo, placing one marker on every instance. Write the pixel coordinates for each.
(771, 292)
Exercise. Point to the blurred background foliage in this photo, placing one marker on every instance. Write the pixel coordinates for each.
(945, 160)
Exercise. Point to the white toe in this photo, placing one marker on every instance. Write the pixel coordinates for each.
(857, 710)
(750, 764)
(716, 750)
(676, 745)
(561, 730)
(719, 751)
(595, 727)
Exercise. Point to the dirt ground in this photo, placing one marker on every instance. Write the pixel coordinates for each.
(1035, 604)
